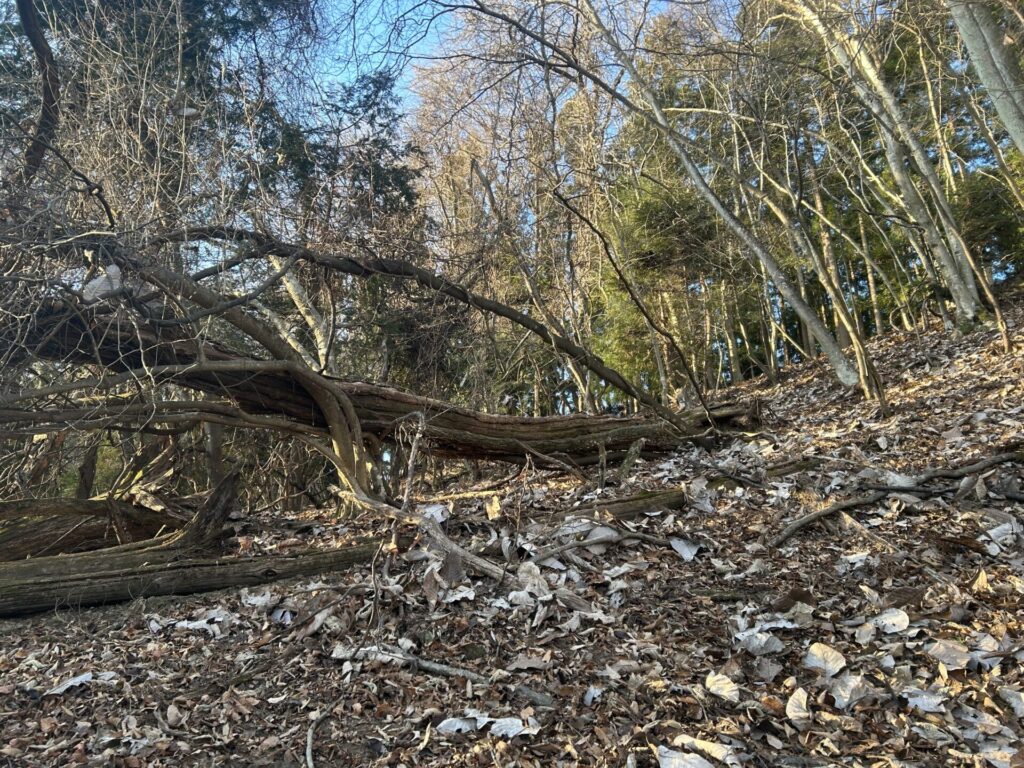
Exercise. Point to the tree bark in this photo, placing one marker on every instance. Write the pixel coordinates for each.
(34, 528)
(49, 111)
(87, 472)
(257, 393)
(49, 583)
(995, 61)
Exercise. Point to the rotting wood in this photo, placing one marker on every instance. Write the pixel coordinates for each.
(206, 528)
(10, 510)
(41, 527)
(41, 536)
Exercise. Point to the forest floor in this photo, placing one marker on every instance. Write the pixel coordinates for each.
(888, 633)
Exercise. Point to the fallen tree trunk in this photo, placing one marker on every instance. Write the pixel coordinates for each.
(10, 510)
(38, 527)
(175, 564)
(31, 586)
(40, 536)
(269, 389)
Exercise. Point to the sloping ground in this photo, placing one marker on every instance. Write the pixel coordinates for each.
(887, 633)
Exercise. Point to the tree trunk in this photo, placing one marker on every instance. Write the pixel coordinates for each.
(214, 448)
(897, 134)
(876, 310)
(43, 584)
(268, 394)
(87, 472)
(757, 249)
(996, 61)
(806, 339)
(37, 527)
(735, 368)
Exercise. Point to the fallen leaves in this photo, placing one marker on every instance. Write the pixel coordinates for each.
(674, 636)
(824, 659)
(721, 686)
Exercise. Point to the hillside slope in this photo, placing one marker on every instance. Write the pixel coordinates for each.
(711, 628)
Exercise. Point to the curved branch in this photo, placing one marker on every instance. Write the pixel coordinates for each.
(404, 270)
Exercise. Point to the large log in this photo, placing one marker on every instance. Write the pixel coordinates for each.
(172, 566)
(38, 536)
(110, 340)
(37, 527)
(45, 584)
(178, 563)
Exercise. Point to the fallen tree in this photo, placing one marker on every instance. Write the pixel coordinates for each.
(268, 393)
(45, 584)
(180, 562)
(186, 562)
(36, 527)
(127, 364)
(126, 349)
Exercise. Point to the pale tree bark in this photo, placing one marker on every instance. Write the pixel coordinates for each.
(825, 263)
(729, 328)
(832, 277)
(318, 326)
(654, 115)
(845, 372)
(940, 130)
(995, 59)
(508, 234)
(853, 57)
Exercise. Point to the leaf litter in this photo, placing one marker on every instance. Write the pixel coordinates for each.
(890, 633)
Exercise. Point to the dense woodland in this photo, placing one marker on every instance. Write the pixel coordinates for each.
(262, 259)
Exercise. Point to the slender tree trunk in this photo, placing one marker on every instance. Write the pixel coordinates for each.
(895, 129)
(996, 61)
(845, 372)
(657, 351)
(214, 434)
(832, 269)
(851, 292)
(964, 294)
(876, 309)
(805, 332)
(768, 341)
(87, 472)
(735, 368)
